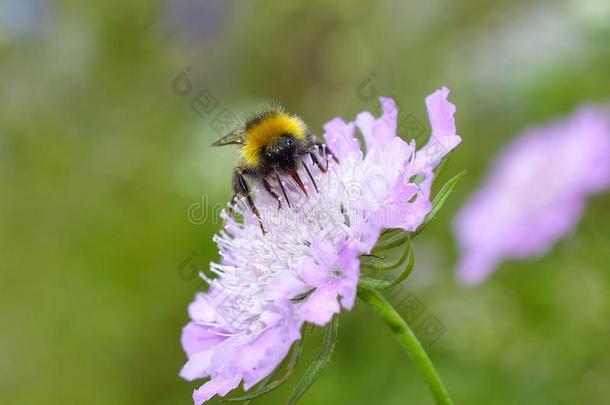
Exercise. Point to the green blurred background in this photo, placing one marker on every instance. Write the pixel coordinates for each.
(101, 157)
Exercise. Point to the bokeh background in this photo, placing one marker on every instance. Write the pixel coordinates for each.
(103, 154)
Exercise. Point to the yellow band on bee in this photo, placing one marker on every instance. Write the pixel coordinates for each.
(265, 133)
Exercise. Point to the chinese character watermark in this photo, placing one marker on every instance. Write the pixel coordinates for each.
(426, 326)
(204, 103)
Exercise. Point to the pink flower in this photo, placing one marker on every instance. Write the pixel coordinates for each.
(305, 268)
(535, 192)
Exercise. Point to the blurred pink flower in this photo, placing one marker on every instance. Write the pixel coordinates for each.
(305, 268)
(535, 192)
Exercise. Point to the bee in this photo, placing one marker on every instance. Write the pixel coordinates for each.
(272, 145)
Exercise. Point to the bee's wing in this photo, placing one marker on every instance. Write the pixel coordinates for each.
(233, 138)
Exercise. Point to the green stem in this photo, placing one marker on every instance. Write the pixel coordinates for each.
(409, 341)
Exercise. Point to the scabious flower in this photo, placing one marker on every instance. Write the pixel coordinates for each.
(535, 192)
(306, 267)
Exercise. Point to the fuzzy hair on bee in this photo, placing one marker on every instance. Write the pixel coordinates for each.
(273, 144)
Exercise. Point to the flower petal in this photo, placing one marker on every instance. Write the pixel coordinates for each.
(443, 138)
(216, 386)
(377, 132)
(197, 338)
(341, 283)
(320, 306)
(339, 137)
(197, 366)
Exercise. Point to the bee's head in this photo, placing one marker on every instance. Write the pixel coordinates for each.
(272, 141)
(281, 155)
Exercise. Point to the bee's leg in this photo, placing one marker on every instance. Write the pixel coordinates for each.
(325, 152)
(315, 160)
(279, 181)
(240, 187)
(310, 176)
(273, 193)
(230, 209)
(295, 176)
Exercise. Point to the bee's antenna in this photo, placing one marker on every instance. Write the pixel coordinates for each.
(235, 137)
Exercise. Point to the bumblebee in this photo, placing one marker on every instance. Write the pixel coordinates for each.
(273, 144)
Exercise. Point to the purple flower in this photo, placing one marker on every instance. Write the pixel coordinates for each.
(230, 349)
(306, 266)
(535, 192)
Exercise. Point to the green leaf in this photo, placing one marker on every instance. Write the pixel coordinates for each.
(407, 270)
(370, 261)
(371, 283)
(441, 168)
(248, 401)
(380, 264)
(439, 200)
(320, 362)
(263, 387)
(391, 239)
